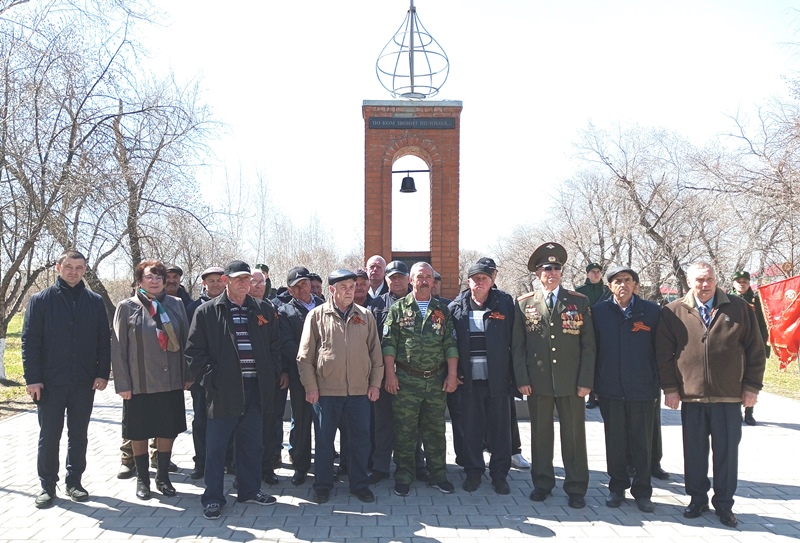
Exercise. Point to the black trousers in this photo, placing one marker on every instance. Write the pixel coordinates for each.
(77, 401)
(199, 423)
(302, 420)
(722, 423)
(486, 414)
(628, 429)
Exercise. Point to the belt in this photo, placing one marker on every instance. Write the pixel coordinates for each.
(425, 374)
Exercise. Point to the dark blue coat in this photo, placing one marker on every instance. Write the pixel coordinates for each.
(66, 342)
(292, 317)
(499, 321)
(625, 368)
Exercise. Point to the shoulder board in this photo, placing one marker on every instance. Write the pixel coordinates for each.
(575, 293)
(525, 296)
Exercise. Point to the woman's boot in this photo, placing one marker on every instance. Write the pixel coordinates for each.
(163, 483)
(142, 477)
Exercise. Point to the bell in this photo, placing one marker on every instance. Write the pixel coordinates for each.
(408, 185)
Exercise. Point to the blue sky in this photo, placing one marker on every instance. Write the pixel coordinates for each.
(288, 79)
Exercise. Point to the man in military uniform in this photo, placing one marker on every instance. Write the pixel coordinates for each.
(553, 350)
(741, 288)
(594, 289)
(421, 362)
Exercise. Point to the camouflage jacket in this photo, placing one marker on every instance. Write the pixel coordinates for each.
(422, 343)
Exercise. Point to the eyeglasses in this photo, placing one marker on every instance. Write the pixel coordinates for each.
(258, 283)
(154, 278)
(550, 267)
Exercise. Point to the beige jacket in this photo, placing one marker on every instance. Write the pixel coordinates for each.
(138, 363)
(340, 358)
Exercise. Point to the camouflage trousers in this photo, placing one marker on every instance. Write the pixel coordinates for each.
(418, 409)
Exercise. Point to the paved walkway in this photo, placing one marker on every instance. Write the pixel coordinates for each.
(767, 502)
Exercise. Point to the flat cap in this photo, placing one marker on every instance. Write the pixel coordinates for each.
(547, 253)
(361, 272)
(211, 271)
(340, 275)
(619, 269)
(175, 269)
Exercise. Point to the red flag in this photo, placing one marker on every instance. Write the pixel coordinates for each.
(781, 303)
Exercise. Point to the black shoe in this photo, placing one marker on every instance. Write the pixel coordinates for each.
(341, 470)
(591, 403)
(727, 518)
(126, 471)
(142, 490)
(375, 476)
(615, 498)
(299, 477)
(659, 473)
(166, 488)
(402, 489)
(445, 487)
(364, 494)
(212, 511)
(321, 496)
(501, 486)
(198, 472)
(694, 510)
(645, 505)
(472, 483)
(45, 498)
(230, 470)
(748, 420)
(539, 495)
(77, 493)
(270, 478)
(422, 474)
(576, 501)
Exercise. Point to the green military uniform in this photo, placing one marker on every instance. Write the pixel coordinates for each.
(554, 353)
(419, 345)
(594, 291)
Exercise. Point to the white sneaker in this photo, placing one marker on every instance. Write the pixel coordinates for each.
(519, 462)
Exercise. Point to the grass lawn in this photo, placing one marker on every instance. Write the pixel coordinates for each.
(784, 383)
(14, 385)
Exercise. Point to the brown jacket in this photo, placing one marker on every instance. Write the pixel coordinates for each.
(138, 362)
(715, 364)
(340, 358)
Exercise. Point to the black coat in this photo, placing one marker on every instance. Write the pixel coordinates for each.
(214, 359)
(625, 367)
(499, 324)
(66, 342)
(292, 316)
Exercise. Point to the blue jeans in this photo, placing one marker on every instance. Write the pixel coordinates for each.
(355, 412)
(77, 401)
(247, 433)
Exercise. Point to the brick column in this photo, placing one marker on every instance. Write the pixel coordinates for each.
(408, 132)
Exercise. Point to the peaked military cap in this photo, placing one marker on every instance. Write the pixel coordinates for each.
(741, 273)
(547, 253)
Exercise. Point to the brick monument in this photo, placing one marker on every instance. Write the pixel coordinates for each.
(430, 131)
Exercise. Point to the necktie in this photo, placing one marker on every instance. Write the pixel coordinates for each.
(550, 301)
(705, 314)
